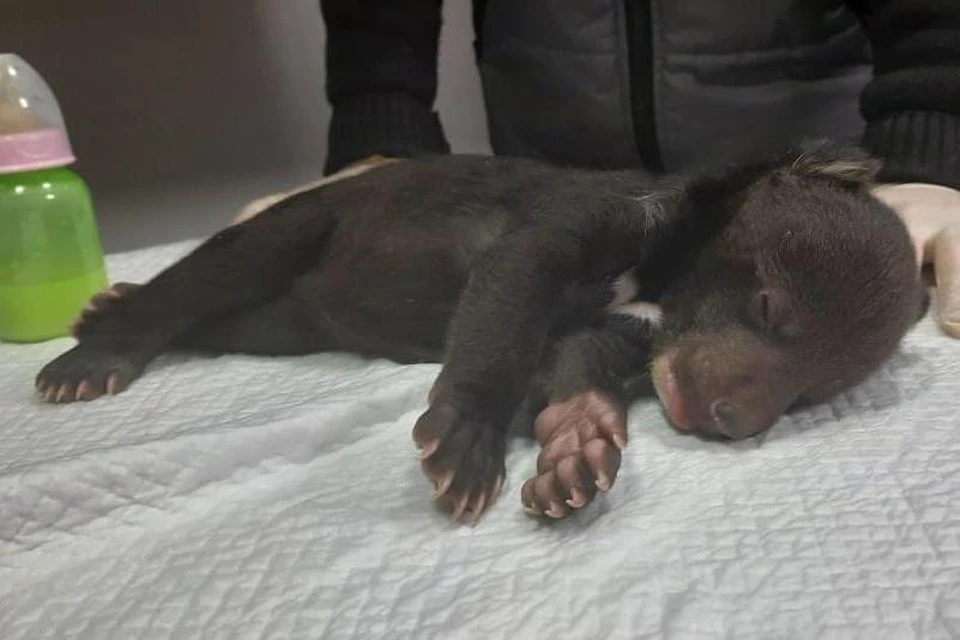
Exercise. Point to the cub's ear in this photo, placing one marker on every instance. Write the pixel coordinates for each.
(845, 164)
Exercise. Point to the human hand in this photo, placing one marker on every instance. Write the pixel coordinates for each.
(351, 170)
(932, 215)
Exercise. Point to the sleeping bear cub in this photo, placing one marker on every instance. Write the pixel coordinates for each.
(738, 293)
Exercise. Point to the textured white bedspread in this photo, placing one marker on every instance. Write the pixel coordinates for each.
(239, 497)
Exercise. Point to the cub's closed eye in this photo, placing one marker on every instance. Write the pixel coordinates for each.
(772, 310)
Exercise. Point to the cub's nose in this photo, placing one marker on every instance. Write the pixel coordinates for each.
(726, 418)
(735, 422)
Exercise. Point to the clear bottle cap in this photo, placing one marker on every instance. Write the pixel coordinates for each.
(32, 131)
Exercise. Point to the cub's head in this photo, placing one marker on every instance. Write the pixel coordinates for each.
(808, 290)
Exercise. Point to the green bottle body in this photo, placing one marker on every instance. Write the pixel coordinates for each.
(51, 260)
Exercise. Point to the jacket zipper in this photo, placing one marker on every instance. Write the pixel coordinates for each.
(639, 28)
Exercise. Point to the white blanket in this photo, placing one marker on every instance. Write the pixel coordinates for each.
(241, 497)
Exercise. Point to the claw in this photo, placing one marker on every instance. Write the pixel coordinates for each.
(84, 390)
(603, 481)
(477, 509)
(459, 506)
(113, 384)
(531, 511)
(577, 499)
(429, 450)
(496, 488)
(62, 393)
(555, 511)
(619, 441)
(444, 485)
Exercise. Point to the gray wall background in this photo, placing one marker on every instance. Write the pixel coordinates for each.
(181, 111)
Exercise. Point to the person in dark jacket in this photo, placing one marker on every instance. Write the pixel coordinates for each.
(672, 85)
(667, 84)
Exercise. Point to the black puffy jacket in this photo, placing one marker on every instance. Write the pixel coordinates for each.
(667, 84)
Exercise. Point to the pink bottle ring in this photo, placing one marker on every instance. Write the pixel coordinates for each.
(32, 150)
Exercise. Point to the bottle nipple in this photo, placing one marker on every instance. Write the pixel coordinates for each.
(32, 131)
(15, 113)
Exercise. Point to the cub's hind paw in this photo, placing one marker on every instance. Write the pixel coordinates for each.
(101, 303)
(86, 373)
(463, 456)
(581, 440)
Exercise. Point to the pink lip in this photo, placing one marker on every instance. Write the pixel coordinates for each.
(665, 383)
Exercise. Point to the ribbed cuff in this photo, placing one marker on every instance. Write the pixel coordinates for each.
(917, 147)
(389, 124)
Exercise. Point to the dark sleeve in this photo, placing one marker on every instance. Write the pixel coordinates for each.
(381, 63)
(912, 104)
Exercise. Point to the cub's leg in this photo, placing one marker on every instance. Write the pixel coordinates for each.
(238, 269)
(582, 430)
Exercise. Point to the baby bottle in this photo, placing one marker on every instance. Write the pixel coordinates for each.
(51, 261)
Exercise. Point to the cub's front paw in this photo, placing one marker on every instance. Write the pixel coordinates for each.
(463, 454)
(86, 373)
(581, 440)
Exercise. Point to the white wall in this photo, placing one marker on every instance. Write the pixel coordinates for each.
(182, 111)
